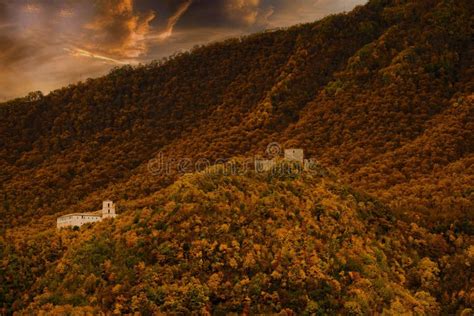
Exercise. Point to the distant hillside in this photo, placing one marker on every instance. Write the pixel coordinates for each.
(384, 93)
(256, 243)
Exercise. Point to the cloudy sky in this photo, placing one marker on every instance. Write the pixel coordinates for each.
(46, 44)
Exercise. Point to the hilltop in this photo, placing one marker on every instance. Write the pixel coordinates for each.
(256, 243)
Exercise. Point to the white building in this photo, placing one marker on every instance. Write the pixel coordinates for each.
(294, 155)
(108, 209)
(79, 219)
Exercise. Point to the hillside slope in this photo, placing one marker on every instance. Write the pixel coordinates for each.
(256, 243)
(369, 92)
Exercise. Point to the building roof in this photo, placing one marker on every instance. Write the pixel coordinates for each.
(96, 214)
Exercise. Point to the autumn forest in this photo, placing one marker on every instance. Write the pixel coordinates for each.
(381, 97)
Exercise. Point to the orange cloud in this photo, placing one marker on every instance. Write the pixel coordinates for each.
(32, 8)
(84, 53)
(243, 11)
(65, 13)
(118, 30)
(174, 19)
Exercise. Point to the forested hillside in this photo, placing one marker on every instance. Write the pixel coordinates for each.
(248, 242)
(382, 96)
(383, 93)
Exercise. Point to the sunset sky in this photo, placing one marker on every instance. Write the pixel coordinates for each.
(46, 44)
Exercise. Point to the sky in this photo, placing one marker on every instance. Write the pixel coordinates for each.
(47, 44)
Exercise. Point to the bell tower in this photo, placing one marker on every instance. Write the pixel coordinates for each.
(108, 209)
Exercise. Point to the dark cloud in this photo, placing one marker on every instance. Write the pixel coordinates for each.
(226, 14)
(3, 11)
(13, 51)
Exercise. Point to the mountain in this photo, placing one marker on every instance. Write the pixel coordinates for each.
(382, 96)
